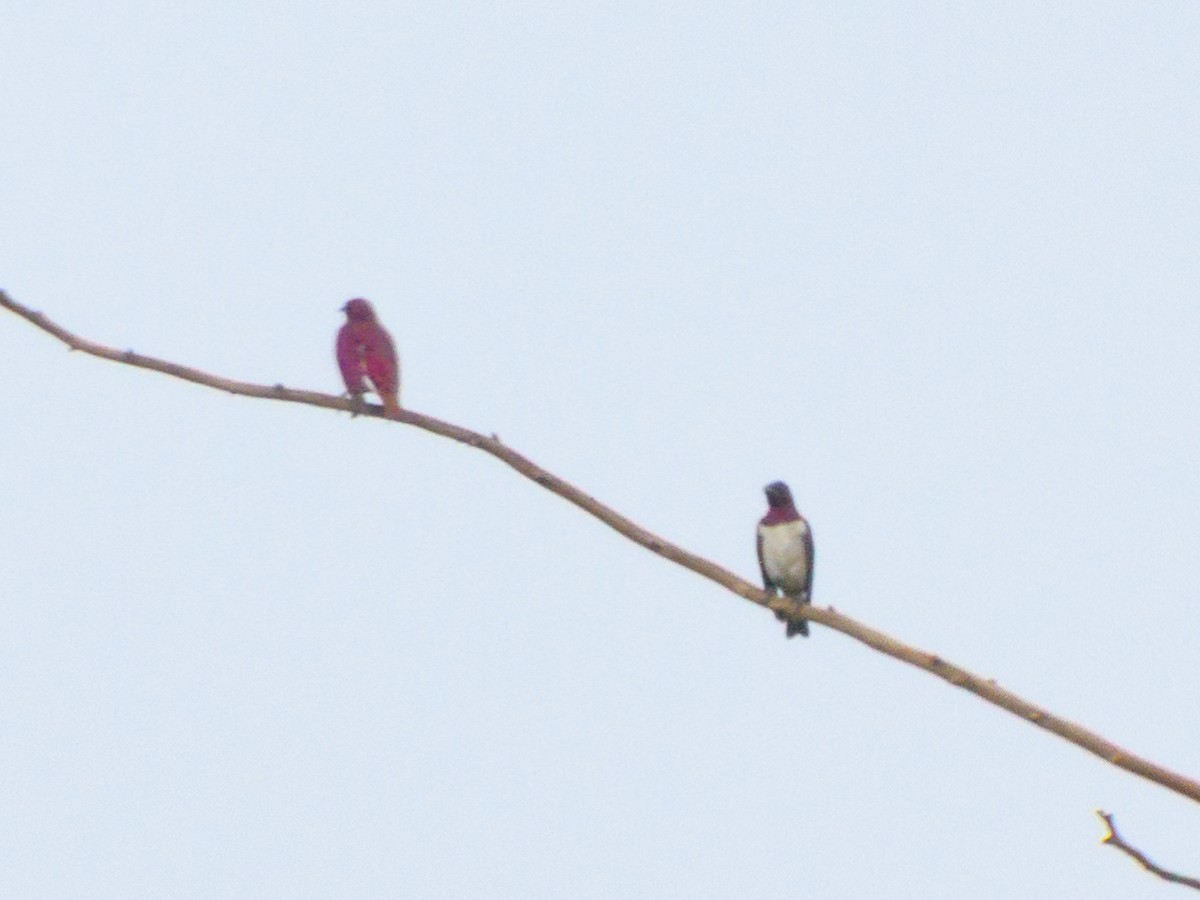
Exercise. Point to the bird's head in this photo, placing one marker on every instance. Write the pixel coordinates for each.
(358, 310)
(778, 495)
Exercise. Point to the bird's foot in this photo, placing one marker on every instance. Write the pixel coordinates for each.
(358, 405)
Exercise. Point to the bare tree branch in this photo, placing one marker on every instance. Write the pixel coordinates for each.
(1114, 839)
(987, 689)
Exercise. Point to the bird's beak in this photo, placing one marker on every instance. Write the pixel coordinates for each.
(342, 308)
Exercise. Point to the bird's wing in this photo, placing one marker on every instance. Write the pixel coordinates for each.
(381, 361)
(811, 552)
(768, 584)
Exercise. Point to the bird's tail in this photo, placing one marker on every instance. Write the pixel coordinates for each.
(798, 626)
(391, 405)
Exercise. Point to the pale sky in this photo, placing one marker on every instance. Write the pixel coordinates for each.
(933, 264)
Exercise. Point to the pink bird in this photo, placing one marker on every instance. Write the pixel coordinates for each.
(364, 348)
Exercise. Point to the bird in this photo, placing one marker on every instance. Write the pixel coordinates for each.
(364, 348)
(785, 552)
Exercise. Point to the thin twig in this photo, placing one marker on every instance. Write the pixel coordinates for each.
(986, 689)
(1115, 840)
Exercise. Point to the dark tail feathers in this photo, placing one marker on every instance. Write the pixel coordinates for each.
(799, 627)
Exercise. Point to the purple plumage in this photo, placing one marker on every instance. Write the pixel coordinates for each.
(365, 351)
(785, 552)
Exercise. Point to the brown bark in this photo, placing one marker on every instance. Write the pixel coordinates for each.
(984, 688)
(1114, 839)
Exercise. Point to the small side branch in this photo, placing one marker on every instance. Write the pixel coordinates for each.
(984, 688)
(1114, 839)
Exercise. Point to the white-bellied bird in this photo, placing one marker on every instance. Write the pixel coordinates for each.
(785, 552)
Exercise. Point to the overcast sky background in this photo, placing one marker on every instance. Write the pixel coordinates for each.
(934, 264)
